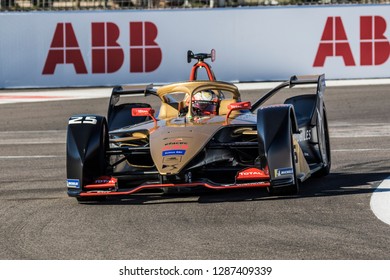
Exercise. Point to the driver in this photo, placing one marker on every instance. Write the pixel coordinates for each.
(205, 103)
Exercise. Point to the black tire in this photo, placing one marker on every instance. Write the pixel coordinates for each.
(102, 163)
(96, 166)
(87, 143)
(324, 141)
(294, 188)
(290, 189)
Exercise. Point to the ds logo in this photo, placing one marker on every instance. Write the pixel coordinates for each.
(374, 46)
(107, 55)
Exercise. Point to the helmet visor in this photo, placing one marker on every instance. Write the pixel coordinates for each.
(205, 106)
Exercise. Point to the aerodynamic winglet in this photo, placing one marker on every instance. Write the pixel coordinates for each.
(135, 90)
(308, 79)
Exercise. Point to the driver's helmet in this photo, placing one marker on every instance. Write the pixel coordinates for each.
(205, 102)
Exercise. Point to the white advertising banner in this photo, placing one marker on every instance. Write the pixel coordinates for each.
(105, 48)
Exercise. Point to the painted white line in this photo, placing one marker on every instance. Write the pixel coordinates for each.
(380, 201)
(31, 132)
(30, 157)
(358, 130)
(40, 95)
(32, 137)
(361, 150)
(32, 142)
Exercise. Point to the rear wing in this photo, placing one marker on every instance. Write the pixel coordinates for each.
(319, 80)
(140, 90)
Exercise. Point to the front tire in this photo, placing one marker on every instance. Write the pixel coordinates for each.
(87, 143)
(292, 189)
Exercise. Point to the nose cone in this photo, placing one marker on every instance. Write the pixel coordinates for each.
(172, 148)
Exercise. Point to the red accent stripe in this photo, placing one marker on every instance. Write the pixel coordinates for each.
(100, 186)
(153, 186)
(103, 182)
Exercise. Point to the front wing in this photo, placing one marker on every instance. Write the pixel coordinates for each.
(112, 190)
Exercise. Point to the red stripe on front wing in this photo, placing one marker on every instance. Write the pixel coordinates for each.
(199, 184)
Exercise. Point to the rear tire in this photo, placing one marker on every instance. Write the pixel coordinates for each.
(294, 188)
(324, 142)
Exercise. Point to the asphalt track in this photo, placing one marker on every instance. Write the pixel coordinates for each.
(335, 217)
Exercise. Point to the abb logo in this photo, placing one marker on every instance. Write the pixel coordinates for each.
(374, 46)
(107, 55)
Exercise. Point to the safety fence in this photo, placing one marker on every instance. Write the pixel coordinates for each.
(94, 48)
(53, 5)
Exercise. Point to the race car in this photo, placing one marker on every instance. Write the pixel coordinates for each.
(222, 144)
(199, 134)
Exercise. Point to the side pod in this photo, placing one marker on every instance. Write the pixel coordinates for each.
(86, 144)
(275, 126)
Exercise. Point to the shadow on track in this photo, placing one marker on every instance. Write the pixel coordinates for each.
(335, 184)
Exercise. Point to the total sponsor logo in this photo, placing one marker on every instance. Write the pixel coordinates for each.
(251, 174)
(374, 45)
(105, 180)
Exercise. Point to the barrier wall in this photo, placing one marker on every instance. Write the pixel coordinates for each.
(96, 48)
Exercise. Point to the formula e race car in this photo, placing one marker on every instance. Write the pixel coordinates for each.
(199, 134)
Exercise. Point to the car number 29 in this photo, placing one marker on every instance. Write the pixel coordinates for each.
(84, 119)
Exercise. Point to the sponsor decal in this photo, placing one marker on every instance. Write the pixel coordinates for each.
(142, 112)
(374, 45)
(83, 120)
(173, 159)
(251, 174)
(173, 152)
(175, 146)
(73, 183)
(304, 135)
(105, 180)
(106, 54)
(283, 171)
(169, 167)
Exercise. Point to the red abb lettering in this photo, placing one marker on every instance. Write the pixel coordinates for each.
(64, 49)
(334, 42)
(374, 46)
(145, 55)
(107, 54)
